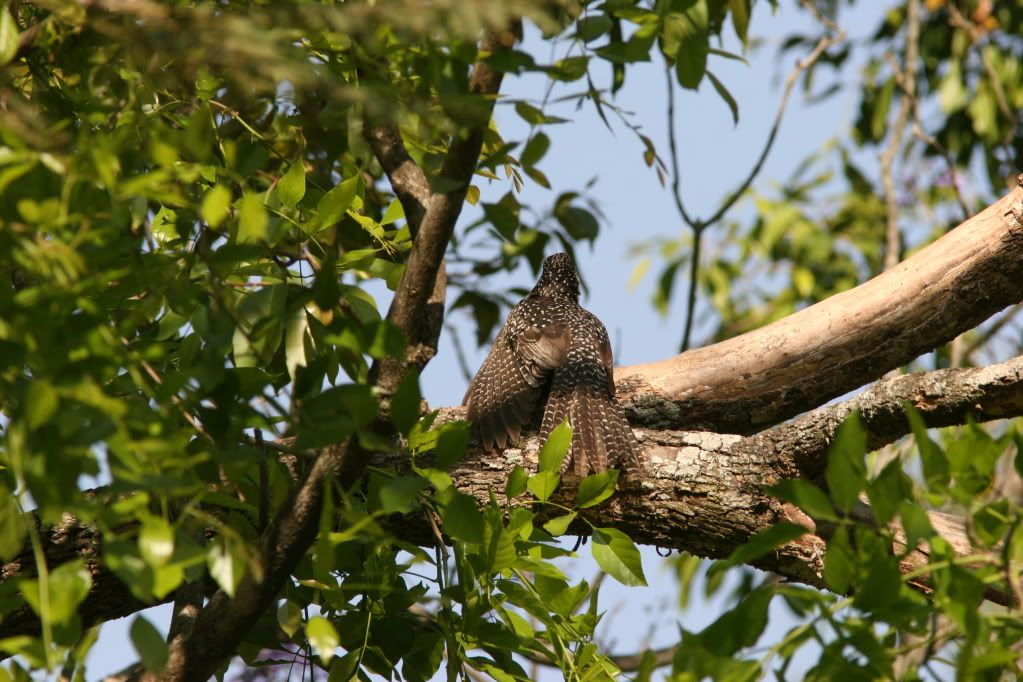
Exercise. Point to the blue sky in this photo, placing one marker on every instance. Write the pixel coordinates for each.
(715, 156)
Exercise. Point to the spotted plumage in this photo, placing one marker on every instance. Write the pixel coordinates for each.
(553, 358)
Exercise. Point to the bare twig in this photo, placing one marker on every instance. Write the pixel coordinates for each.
(928, 139)
(957, 19)
(836, 35)
(989, 333)
(902, 118)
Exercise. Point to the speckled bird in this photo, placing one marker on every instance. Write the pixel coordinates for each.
(553, 355)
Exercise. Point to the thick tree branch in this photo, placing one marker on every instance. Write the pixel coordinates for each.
(701, 492)
(218, 628)
(761, 378)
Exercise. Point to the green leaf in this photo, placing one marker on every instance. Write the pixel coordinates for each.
(226, 565)
(289, 617)
(932, 458)
(762, 543)
(323, 637)
(839, 562)
(149, 643)
(332, 205)
(693, 45)
(499, 546)
(259, 330)
(253, 224)
(740, 627)
(806, 496)
(553, 452)
(617, 555)
(68, 585)
(451, 444)
(846, 472)
(294, 340)
(559, 524)
(344, 669)
(915, 523)
(535, 150)
(156, 541)
(405, 402)
(543, 484)
(216, 206)
(596, 488)
(740, 11)
(887, 490)
(462, 519)
(12, 526)
(291, 187)
(8, 36)
(592, 27)
(529, 113)
(41, 402)
(516, 484)
(733, 106)
(395, 211)
(400, 494)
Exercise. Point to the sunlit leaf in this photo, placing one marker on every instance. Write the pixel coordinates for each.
(291, 187)
(323, 637)
(555, 448)
(616, 554)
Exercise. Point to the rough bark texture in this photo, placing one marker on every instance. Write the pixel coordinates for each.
(219, 627)
(753, 381)
(700, 492)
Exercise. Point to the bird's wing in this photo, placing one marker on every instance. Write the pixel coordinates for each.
(503, 396)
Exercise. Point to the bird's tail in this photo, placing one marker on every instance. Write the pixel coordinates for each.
(601, 437)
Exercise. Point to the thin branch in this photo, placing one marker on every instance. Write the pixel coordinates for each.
(406, 177)
(906, 108)
(410, 309)
(928, 139)
(697, 227)
(989, 333)
(758, 379)
(957, 19)
(837, 35)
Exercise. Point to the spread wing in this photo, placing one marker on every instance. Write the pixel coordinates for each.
(503, 396)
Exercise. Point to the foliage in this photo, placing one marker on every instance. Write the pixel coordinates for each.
(191, 221)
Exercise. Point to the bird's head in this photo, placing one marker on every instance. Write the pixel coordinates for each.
(558, 278)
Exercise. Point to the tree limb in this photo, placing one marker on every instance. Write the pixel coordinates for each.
(407, 179)
(761, 378)
(700, 492)
(409, 308)
(220, 626)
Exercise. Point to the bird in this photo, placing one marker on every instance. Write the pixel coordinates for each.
(553, 357)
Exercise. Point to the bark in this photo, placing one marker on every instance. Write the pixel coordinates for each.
(214, 634)
(700, 492)
(759, 379)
